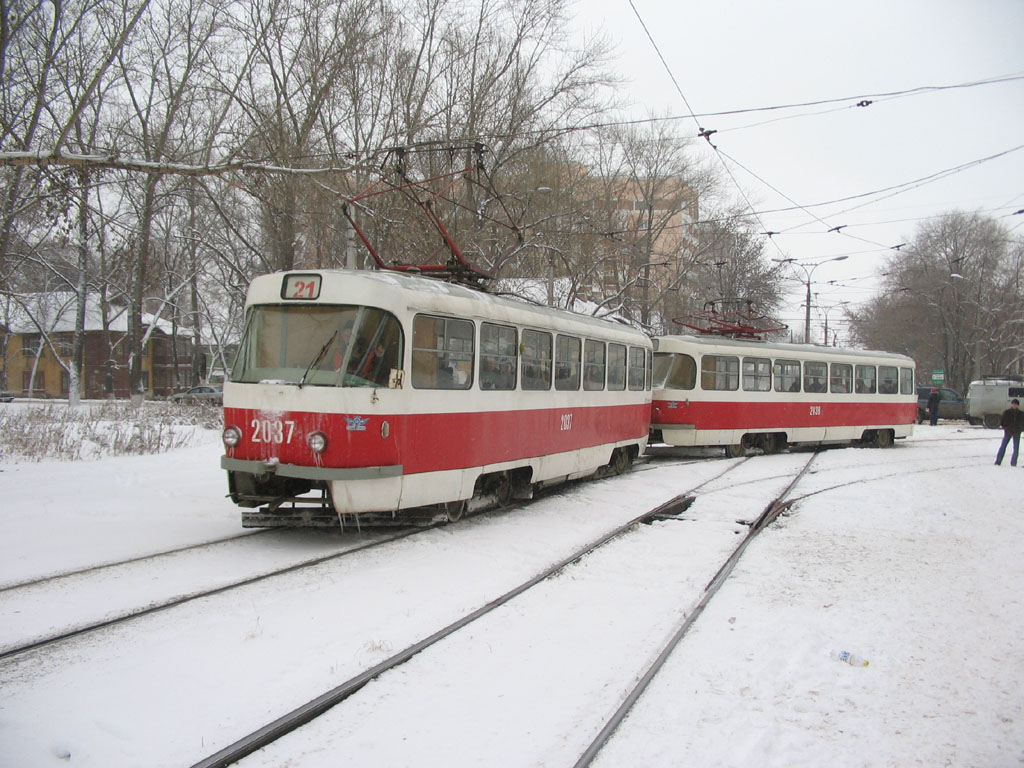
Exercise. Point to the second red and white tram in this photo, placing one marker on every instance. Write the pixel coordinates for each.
(385, 391)
(736, 393)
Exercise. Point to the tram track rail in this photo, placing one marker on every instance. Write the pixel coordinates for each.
(316, 707)
(766, 518)
(415, 526)
(53, 577)
(95, 626)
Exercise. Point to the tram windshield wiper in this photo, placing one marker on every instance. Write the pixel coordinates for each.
(319, 356)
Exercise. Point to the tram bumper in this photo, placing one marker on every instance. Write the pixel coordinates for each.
(352, 489)
(269, 467)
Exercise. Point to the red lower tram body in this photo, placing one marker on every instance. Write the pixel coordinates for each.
(383, 461)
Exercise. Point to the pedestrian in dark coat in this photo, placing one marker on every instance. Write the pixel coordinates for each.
(1012, 422)
(933, 406)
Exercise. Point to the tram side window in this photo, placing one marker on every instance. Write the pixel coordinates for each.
(535, 360)
(674, 370)
(718, 372)
(906, 381)
(593, 364)
(842, 378)
(650, 370)
(815, 376)
(787, 375)
(442, 353)
(616, 367)
(757, 374)
(865, 381)
(888, 380)
(637, 368)
(497, 356)
(567, 363)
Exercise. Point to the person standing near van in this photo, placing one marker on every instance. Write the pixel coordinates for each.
(933, 406)
(1012, 422)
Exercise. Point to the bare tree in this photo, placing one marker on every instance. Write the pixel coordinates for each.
(953, 299)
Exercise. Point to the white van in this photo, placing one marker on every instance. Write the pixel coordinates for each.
(988, 397)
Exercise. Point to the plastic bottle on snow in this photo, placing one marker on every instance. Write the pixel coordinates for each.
(849, 658)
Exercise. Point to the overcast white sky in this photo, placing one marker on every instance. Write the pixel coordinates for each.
(744, 54)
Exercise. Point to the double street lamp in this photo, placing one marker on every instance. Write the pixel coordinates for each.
(808, 271)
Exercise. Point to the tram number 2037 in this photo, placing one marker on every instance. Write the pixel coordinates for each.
(272, 431)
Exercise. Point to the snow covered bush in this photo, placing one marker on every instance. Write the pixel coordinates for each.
(32, 432)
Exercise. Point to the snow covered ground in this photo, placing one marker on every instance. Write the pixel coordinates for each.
(910, 557)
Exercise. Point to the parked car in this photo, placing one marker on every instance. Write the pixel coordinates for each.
(201, 394)
(989, 396)
(951, 404)
(6, 397)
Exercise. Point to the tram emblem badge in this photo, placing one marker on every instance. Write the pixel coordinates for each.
(356, 423)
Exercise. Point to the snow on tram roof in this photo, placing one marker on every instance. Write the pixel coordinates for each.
(797, 350)
(431, 287)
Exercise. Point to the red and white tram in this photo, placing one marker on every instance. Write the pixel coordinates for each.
(743, 393)
(384, 391)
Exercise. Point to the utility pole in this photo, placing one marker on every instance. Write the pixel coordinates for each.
(807, 302)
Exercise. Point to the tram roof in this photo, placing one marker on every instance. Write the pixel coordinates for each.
(422, 293)
(754, 346)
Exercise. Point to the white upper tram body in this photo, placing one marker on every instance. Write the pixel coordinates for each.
(386, 391)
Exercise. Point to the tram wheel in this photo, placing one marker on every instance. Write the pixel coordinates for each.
(621, 461)
(883, 438)
(773, 443)
(454, 510)
(503, 489)
(735, 450)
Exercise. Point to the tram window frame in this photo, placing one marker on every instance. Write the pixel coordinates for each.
(674, 370)
(757, 374)
(498, 357)
(728, 373)
(448, 364)
(636, 369)
(786, 374)
(907, 381)
(535, 369)
(568, 360)
(650, 370)
(840, 378)
(888, 380)
(594, 365)
(617, 357)
(815, 376)
(864, 384)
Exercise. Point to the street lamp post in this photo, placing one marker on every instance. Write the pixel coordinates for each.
(826, 310)
(808, 272)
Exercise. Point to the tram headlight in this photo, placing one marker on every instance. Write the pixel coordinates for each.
(317, 442)
(231, 436)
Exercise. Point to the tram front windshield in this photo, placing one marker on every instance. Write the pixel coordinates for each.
(318, 345)
(674, 371)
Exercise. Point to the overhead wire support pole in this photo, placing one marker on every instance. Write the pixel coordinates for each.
(807, 274)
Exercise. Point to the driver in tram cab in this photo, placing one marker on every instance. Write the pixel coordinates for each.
(375, 366)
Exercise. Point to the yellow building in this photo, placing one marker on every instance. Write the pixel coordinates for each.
(36, 344)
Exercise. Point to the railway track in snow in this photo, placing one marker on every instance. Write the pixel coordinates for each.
(167, 579)
(179, 579)
(670, 510)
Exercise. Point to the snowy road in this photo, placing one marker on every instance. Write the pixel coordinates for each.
(879, 537)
